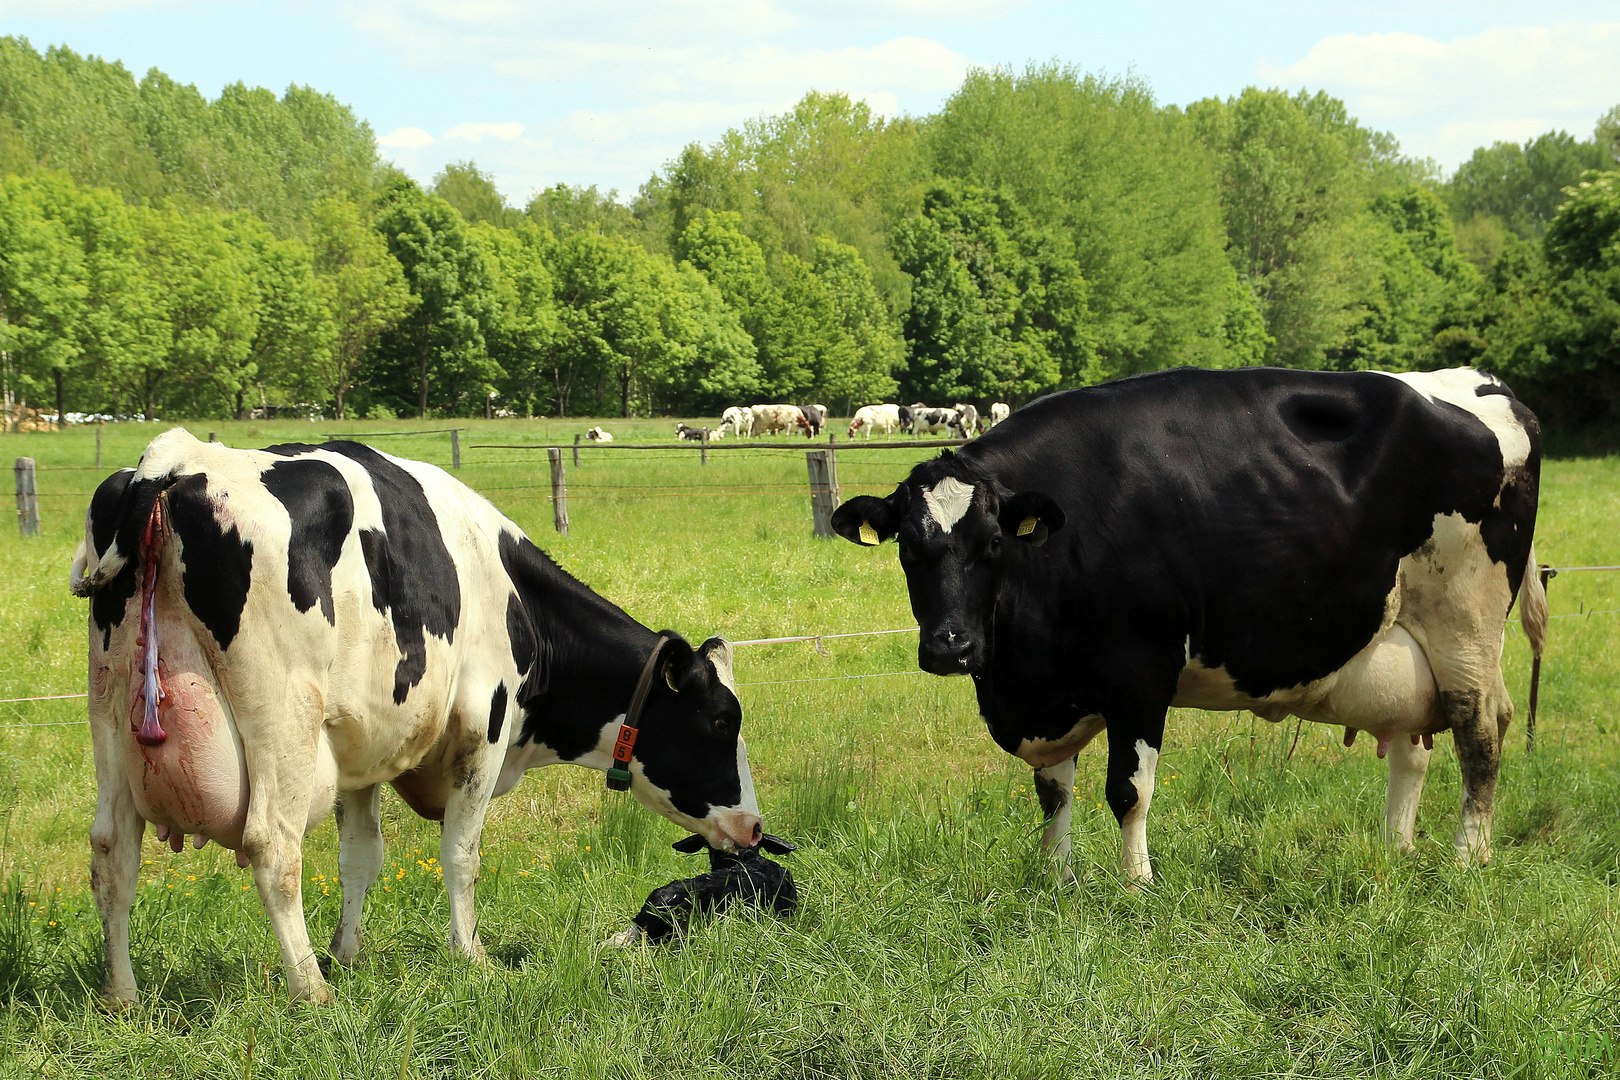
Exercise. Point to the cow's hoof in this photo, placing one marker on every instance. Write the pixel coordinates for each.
(315, 994)
(120, 1000)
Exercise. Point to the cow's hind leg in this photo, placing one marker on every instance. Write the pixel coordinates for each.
(459, 842)
(1408, 765)
(1133, 760)
(1054, 787)
(115, 865)
(360, 858)
(1474, 727)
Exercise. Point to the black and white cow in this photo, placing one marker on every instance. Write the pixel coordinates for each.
(1342, 547)
(967, 421)
(275, 631)
(926, 421)
(688, 433)
(815, 418)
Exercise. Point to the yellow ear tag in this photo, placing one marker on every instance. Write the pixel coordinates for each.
(1027, 526)
(669, 680)
(869, 535)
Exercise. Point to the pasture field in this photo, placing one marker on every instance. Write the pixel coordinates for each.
(1282, 939)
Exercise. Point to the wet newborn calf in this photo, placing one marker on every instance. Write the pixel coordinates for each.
(747, 876)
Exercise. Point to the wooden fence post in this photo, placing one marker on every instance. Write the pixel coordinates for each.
(576, 450)
(98, 446)
(823, 466)
(705, 452)
(455, 447)
(1547, 574)
(27, 498)
(559, 489)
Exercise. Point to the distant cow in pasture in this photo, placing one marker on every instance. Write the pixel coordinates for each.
(688, 433)
(273, 632)
(999, 411)
(967, 421)
(770, 419)
(882, 419)
(739, 420)
(597, 434)
(1341, 547)
(926, 421)
(815, 418)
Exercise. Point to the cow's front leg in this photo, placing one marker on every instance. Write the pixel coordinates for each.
(1408, 765)
(1133, 758)
(360, 858)
(1054, 786)
(458, 847)
(115, 866)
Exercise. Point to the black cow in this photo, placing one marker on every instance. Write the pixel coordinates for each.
(688, 433)
(275, 631)
(1343, 547)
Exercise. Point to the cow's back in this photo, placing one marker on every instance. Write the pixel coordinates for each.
(1260, 514)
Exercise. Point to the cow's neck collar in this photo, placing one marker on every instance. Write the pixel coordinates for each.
(618, 774)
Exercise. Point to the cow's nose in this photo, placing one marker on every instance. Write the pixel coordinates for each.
(949, 646)
(742, 828)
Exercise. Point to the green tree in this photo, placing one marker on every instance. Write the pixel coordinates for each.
(363, 290)
(1294, 196)
(1027, 319)
(42, 293)
(441, 344)
(526, 314)
(879, 353)
(294, 329)
(210, 304)
(474, 195)
(1126, 183)
(1522, 185)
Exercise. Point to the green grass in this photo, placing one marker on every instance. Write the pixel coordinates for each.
(1281, 940)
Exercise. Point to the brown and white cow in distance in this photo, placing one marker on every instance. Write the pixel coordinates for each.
(770, 419)
(275, 631)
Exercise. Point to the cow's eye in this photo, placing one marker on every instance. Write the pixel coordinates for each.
(995, 544)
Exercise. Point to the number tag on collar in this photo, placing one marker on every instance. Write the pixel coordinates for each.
(869, 535)
(1027, 526)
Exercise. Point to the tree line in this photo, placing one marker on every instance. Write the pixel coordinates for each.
(161, 253)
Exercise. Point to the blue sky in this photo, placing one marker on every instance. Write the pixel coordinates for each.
(605, 92)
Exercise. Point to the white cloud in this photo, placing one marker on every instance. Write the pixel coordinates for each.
(405, 138)
(1443, 99)
(475, 133)
(657, 75)
(77, 10)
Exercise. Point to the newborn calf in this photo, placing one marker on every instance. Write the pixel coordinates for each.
(747, 876)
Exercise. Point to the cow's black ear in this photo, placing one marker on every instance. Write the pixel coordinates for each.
(680, 670)
(1030, 516)
(866, 520)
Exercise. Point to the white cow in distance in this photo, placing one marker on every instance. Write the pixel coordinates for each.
(739, 420)
(597, 434)
(883, 419)
(999, 411)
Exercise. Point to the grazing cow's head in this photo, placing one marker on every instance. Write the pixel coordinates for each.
(694, 763)
(955, 531)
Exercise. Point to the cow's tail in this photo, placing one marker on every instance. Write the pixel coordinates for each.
(1533, 605)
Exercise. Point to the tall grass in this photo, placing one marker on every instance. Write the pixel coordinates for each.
(1282, 938)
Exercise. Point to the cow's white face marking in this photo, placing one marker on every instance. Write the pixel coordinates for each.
(948, 502)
